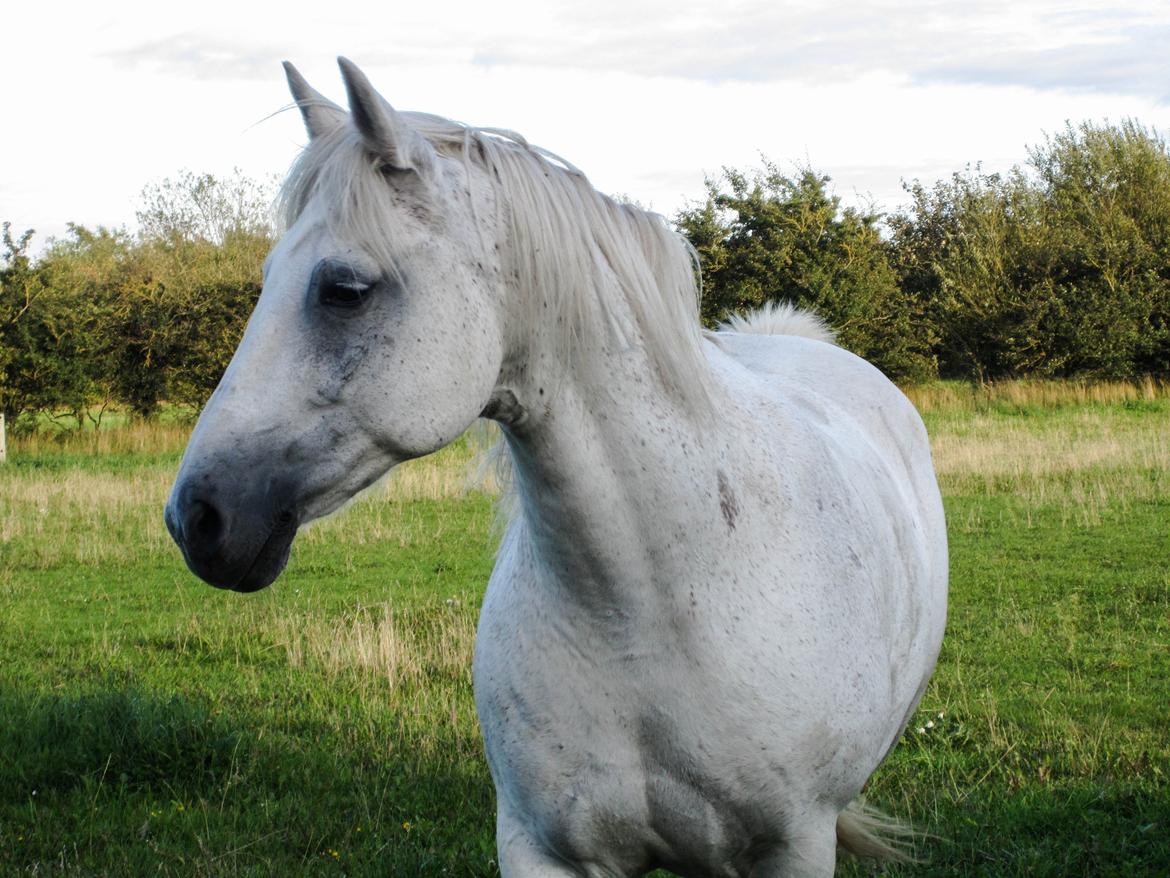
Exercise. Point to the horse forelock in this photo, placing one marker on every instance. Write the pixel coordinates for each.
(586, 264)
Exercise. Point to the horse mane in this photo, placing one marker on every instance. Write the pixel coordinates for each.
(587, 265)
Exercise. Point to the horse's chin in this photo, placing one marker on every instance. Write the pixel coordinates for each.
(269, 564)
(247, 574)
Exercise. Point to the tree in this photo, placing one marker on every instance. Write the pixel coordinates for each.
(44, 339)
(87, 273)
(202, 243)
(106, 316)
(1060, 269)
(767, 236)
(204, 208)
(19, 291)
(970, 251)
(1107, 197)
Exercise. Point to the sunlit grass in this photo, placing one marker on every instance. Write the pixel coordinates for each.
(149, 724)
(386, 647)
(117, 434)
(961, 396)
(75, 513)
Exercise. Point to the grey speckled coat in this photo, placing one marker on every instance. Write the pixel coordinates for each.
(723, 588)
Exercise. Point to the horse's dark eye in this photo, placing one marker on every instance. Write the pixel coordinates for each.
(344, 294)
(339, 286)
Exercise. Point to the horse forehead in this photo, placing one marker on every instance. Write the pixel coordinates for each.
(308, 235)
(306, 242)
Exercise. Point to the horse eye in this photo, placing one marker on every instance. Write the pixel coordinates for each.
(338, 285)
(348, 294)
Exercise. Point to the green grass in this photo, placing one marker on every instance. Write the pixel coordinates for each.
(325, 726)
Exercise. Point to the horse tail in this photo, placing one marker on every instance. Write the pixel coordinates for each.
(864, 831)
(780, 318)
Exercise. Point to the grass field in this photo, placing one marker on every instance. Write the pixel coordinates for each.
(151, 725)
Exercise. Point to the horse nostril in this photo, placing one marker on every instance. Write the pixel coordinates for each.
(203, 524)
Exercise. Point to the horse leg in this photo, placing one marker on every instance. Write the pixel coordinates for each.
(811, 852)
(521, 856)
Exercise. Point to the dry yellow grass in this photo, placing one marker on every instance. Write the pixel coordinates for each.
(82, 515)
(989, 447)
(1073, 446)
(954, 396)
(389, 647)
(134, 437)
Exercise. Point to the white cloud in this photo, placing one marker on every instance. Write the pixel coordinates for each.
(1045, 45)
(647, 96)
(199, 57)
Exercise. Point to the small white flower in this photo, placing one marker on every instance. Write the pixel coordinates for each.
(930, 724)
(921, 730)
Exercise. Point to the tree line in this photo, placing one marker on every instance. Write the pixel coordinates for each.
(103, 317)
(1059, 268)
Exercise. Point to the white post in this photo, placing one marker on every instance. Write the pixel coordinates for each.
(3, 440)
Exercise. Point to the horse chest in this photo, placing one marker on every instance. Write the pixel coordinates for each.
(659, 742)
(625, 763)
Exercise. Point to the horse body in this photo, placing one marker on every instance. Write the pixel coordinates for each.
(697, 678)
(723, 588)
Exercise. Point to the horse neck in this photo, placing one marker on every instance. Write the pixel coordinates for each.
(605, 463)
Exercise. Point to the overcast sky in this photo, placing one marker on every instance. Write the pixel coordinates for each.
(646, 96)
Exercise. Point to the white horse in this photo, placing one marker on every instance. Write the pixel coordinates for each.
(723, 589)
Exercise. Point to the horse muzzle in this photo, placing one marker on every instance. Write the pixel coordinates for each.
(233, 541)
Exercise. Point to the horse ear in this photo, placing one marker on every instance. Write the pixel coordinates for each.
(386, 133)
(320, 114)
